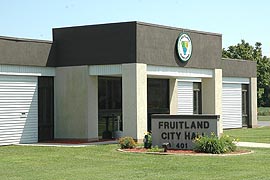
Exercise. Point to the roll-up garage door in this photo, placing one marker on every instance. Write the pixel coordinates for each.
(185, 97)
(18, 110)
(231, 106)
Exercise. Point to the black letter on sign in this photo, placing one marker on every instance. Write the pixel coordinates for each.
(163, 135)
(206, 124)
(160, 124)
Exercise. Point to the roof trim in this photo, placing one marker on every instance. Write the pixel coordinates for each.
(145, 24)
(176, 28)
(24, 40)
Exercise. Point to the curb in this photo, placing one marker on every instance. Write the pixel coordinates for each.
(189, 154)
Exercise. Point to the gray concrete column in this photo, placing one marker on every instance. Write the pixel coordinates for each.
(212, 95)
(92, 108)
(76, 114)
(71, 102)
(253, 102)
(134, 93)
(173, 96)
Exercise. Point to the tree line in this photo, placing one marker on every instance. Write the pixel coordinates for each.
(246, 51)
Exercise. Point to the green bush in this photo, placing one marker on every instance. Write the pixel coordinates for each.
(147, 140)
(213, 144)
(127, 143)
(263, 111)
(155, 149)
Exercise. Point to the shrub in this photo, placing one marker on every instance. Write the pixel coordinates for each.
(155, 149)
(263, 111)
(213, 144)
(147, 140)
(127, 143)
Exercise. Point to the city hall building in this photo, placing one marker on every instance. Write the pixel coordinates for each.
(105, 81)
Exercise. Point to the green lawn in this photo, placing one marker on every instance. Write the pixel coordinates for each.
(104, 162)
(263, 111)
(263, 118)
(251, 135)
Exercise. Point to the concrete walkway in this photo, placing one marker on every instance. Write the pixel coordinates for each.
(69, 145)
(253, 144)
(263, 123)
(240, 144)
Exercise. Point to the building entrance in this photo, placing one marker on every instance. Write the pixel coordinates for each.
(245, 105)
(109, 107)
(157, 98)
(45, 108)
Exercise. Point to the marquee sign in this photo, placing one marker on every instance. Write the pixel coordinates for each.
(181, 130)
(184, 47)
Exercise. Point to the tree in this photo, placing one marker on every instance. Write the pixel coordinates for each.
(245, 51)
(241, 51)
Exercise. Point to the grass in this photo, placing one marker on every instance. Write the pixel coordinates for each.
(263, 111)
(104, 162)
(263, 118)
(261, 135)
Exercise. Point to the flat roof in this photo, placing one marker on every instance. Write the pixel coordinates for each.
(145, 24)
(25, 39)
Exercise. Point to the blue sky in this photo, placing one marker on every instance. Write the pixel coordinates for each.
(234, 19)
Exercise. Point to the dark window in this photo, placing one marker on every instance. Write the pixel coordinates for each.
(157, 93)
(157, 98)
(45, 108)
(197, 98)
(109, 106)
(110, 93)
(245, 105)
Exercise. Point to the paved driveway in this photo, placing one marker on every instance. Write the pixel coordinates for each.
(263, 123)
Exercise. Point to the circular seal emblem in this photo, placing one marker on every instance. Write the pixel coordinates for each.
(184, 47)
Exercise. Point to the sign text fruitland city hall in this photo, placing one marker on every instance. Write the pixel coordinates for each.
(180, 130)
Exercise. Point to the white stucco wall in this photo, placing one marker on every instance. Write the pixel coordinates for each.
(76, 114)
(134, 84)
(212, 95)
(253, 102)
(173, 96)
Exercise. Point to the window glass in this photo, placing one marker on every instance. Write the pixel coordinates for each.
(109, 106)
(157, 93)
(245, 105)
(110, 93)
(197, 98)
(157, 98)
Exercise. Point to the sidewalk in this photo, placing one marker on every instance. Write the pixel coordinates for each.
(253, 144)
(263, 123)
(70, 145)
(240, 144)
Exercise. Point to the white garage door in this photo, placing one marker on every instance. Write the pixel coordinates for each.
(18, 110)
(185, 98)
(232, 106)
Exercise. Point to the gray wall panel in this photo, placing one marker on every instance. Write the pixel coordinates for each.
(14, 51)
(119, 43)
(238, 68)
(156, 46)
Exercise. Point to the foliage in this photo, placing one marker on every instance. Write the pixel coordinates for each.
(246, 51)
(263, 118)
(263, 111)
(215, 145)
(242, 50)
(155, 149)
(127, 143)
(147, 140)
